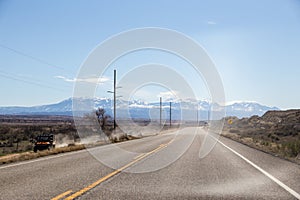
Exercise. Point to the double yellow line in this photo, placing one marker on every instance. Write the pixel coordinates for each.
(91, 186)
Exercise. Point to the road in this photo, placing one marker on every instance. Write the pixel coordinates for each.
(162, 167)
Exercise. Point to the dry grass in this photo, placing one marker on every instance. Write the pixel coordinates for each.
(263, 145)
(31, 155)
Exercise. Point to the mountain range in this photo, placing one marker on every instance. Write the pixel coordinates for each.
(139, 109)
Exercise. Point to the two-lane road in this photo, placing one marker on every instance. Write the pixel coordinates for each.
(162, 167)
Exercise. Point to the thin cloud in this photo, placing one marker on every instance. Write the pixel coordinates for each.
(211, 22)
(93, 80)
(169, 94)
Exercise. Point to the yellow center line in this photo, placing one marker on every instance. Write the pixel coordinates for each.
(138, 156)
(62, 195)
(91, 186)
(171, 141)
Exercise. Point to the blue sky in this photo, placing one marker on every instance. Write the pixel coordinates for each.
(254, 44)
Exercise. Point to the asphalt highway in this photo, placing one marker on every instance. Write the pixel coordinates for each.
(165, 166)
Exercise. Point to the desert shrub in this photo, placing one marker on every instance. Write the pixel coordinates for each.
(269, 135)
(292, 148)
(28, 147)
(265, 143)
(295, 134)
(234, 131)
(275, 138)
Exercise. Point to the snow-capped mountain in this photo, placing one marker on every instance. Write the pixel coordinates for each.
(139, 109)
(246, 109)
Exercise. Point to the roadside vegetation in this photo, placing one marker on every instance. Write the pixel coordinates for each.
(18, 133)
(9, 158)
(276, 132)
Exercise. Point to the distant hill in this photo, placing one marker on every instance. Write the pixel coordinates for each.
(140, 109)
(276, 132)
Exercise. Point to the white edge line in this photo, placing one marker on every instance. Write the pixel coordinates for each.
(281, 184)
(41, 159)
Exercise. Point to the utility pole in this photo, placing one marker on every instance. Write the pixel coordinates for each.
(197, 113)
(115, 77)
(115, 97)
(170, 114)
(208, 113)
(160, 110)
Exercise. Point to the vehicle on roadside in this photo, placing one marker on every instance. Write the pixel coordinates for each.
(43, 142)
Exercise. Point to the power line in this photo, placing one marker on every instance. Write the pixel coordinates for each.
(36, 83)
(24, 77)
(32, 57)
(30, 82)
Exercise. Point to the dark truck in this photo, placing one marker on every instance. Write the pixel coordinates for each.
(43, 142)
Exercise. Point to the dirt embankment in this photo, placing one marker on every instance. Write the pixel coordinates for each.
(276, 132)
(31, 155)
